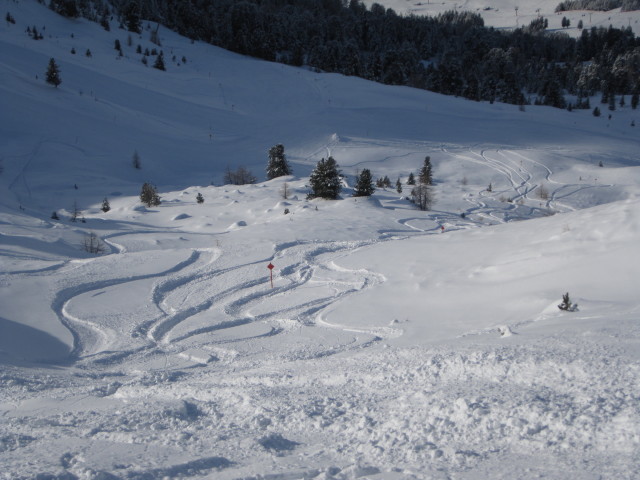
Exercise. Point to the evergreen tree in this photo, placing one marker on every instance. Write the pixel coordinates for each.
(567, 305)
(634, 100)
(159, 63)
(199, 198)
(426, 176)
(53, 74)
(149, 195)
(325, 180)
(132, 17)
(364, 184)
(411, 180)
(105, 205)
(596, 112)
(277, 165)
(135, 160)
(398, 186)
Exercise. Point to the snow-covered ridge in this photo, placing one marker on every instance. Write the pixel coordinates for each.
(388, 347)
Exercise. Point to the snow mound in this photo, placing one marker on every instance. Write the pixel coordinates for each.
(237, 225)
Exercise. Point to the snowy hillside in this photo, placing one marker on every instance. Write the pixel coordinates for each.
(510, 14)
(392, 344)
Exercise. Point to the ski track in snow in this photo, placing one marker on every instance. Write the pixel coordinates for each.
(179, 293)
(519, 178)
(179, 296)
(83, 332)
(199, 369)
(235, 301)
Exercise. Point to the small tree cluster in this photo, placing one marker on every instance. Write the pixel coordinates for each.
(9, 18)
(241, 176)
(383, 182)
(277, 165)
(149, 195)
(33, 33)
(325, 180)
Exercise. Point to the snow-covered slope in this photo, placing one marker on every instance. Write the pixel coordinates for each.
(392, 344)
(510, 14)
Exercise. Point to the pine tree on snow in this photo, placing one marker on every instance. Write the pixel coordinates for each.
(426, 176)
(159, 63)
(149, 195)
(53, 74)
(277, 165)
(325, 180)
(364, 184)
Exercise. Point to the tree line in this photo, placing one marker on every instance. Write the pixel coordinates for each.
(452, 53)
(598, 5)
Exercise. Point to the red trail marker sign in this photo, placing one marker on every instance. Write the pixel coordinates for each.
(271, 267)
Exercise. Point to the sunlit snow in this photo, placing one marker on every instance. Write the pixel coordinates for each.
(393, 344)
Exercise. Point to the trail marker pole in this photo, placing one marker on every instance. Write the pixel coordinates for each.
(271, 267)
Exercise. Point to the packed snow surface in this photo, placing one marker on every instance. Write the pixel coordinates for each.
(392, 344)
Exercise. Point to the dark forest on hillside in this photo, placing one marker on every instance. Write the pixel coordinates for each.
(453, 53)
